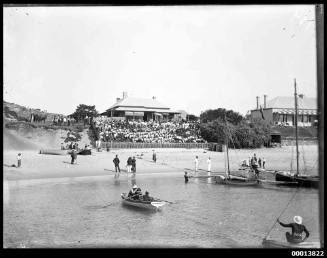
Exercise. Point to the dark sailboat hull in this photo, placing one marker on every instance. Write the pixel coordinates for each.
(303, 181)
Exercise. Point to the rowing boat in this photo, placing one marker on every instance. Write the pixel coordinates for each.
(152, 205)
(269, 243)
(53, 152)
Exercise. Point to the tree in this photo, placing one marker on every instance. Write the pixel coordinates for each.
(241, 135)
(83, 110)
(220, 113)
(192, 117)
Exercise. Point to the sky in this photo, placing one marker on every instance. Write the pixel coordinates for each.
(191, 58)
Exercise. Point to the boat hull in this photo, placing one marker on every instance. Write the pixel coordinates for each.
(137, 203)
(53, 152)
(303, 181)
(85, 152)
(269, 243)
(237, 181)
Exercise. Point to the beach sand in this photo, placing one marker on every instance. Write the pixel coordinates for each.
(35, 165)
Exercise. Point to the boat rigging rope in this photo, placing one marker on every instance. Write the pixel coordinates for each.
(292, 161)
(305, 165)
(295, 192)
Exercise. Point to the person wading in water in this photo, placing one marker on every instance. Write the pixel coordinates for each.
(297, 230)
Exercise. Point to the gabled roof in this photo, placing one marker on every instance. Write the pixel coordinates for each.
(288, 102)
(139, 102)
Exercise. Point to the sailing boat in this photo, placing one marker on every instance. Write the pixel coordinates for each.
(302, 180)
(231, 179)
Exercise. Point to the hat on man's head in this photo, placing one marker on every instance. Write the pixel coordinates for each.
(297, 219)
(134, 186)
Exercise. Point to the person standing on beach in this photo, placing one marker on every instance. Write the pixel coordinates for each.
(129, 164)
(263, 163)
(116, 162)
(74, 156)
(19, 160)
(209, 164)
(134, 165)
(259, 162)
(154, 156)
(196, 162)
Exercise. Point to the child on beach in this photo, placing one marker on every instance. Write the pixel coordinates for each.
(19, 160)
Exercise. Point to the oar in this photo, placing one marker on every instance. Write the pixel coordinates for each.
(166, 201)
(157, 204)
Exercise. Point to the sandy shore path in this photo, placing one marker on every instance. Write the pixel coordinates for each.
(36, 165)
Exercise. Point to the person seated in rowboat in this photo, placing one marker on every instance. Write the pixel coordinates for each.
(147, 197)
(135, 193)
(297, 230)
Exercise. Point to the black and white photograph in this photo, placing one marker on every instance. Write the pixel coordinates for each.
(163, 126)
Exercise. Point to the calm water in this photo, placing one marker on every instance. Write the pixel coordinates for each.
(87, 212)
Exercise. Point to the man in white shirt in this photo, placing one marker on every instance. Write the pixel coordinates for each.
(209, 164)
(196, 162)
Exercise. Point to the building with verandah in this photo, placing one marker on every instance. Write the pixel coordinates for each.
(281, 111)
(144, 109)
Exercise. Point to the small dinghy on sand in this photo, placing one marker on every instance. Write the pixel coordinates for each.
(53, 152)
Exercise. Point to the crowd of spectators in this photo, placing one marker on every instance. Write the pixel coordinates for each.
(63, 120)
(151, 131)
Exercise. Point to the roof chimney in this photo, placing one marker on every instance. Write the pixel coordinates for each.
(124, 94)
(264, 101)
(117, 99)
(257, 102)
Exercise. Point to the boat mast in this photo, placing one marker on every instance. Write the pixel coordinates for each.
(296, 130)
(228, 171)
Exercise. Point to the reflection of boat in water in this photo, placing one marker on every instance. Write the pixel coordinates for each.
(269, 243)
(152, 205)
(302, 180)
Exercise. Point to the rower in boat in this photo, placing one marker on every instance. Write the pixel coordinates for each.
(135, 193)
(297, 230)
(147, 197)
